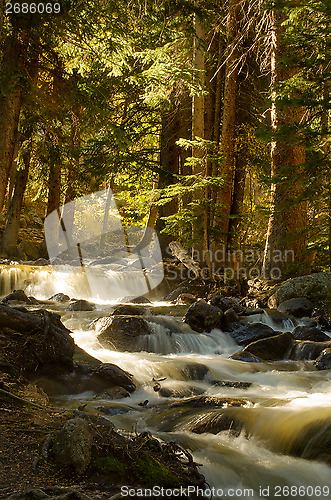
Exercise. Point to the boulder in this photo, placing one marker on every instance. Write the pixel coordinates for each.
(17, 296)
(208, 402)
(245, 356)
(81, 305)
(225, 303)
(186, 299)
(252, 332)
(230, 320)
(323, 362)
(180, 392)
(307, 350)
(194, 371)
(203, 317)
(72, 446)
(30, 249)
(113, 375)
(313, 287)
(215, 422)
(298, 307)
(29, 341)
(136, 300)
(310, 333)
(60, 297)
(273, 348)
(128, 310)
(119, 331)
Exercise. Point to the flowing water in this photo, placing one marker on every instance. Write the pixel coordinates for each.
(282, 426)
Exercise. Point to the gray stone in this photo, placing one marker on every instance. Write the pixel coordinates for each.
(120, 331)
(72, 445)
(313, 287)
(323, 362)
(273, 348)
(298, 307)
(252, 332)
(307, 350)
(310, 333)
(203, 317)
(81, 305)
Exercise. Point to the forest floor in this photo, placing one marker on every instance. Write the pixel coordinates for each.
(24, 429)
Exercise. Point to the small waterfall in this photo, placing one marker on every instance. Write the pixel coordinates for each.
(97, 284)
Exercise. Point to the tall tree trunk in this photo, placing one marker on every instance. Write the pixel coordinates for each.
(176, 124)
(73, 170)
(10, 105)
(9, 238)
(286, 241)
(2, 15)
(198, 130)
(54, 176)
(13, 171)
(229, 119)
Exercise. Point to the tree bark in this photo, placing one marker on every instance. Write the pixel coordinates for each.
(54, 176)
(10, 105)
(286, 242)
(229, 120)
(9, 238)
(198, 130)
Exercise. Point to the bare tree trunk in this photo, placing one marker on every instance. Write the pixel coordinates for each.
(198, 130)
(176, 124)
(13, 171)
(229, 119)
(286, 241)
(9, 238)
(10, 105)
(2, 15)
(54, 176)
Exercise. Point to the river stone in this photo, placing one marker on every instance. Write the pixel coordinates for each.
(298, 307)
(203, 317)
(230, 320)
(60, 297)
(323, 362)
(72, 445)
(252, 332)
(120, 331)
(29, 249)
(128, 310)
(180, 392)
(307, 350)
(273, 348)
(34, 340)
(225, 303)
(310, 333)
(17, 296)
(314, 287)
(114, 375)
(214, 423)
(245, 356)
(81, 305)
(208, 402)
(194, 371)
(186, 299)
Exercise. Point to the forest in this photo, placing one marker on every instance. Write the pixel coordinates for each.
(165, 249)
(209, 120)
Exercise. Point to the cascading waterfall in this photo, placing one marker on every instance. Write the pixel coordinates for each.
(284, 415)
(43, 282)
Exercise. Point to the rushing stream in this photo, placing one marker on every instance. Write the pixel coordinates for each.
(279, 401)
